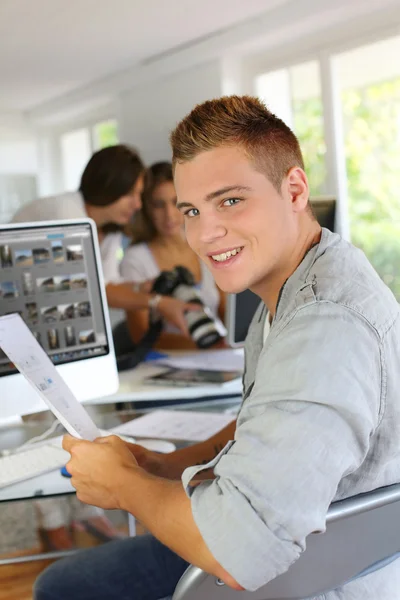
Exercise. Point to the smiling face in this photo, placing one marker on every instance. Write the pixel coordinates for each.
(167, 220)
(236, 221)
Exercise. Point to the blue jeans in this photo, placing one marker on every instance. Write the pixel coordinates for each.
(138, 568)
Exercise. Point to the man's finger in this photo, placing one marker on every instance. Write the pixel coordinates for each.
(104, 439)
(108, 439)
(69, 442)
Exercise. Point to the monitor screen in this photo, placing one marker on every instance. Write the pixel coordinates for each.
(49, 278)
(240, 310)
(49, 274)
(324, 208)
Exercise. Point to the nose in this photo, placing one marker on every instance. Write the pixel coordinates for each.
(137, 202)
(211, 229)
(170, 212)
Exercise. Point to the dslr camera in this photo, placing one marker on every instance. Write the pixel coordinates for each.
(180, 284)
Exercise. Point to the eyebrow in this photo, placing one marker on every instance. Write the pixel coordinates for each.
(217, 193)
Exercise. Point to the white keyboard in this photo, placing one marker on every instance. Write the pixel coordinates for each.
(31, 463)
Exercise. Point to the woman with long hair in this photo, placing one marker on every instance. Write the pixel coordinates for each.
(159, 244)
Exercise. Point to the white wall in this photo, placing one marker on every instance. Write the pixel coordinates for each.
(18, 164)
(18, 157)
(17, 145)
(149, 99)
(148, 113)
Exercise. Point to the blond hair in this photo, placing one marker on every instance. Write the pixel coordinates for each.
(239, 121)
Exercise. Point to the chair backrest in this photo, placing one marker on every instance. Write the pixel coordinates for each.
(360, 531)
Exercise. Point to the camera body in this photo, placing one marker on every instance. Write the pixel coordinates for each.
(180, 284)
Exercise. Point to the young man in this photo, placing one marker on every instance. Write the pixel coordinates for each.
(320, 418)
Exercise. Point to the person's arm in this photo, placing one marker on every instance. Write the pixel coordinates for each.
(135, 268)
(106, 474)
(165, 510)
(138, 324)
(172, 465)
(305, 429)
(123, 296)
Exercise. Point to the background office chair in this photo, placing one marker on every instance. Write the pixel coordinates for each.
(360, 531)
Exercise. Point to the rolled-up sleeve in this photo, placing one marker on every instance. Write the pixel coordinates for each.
(306, 426)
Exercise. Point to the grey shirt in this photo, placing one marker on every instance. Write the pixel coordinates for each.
(320, 421)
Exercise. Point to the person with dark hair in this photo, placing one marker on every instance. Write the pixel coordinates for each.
(110, 193)
(159, 244)
(320, 416)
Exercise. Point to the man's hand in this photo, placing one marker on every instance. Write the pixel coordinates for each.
(162, 465)
(173, 310)
(149, 460)
(107, 474)
(99, 469)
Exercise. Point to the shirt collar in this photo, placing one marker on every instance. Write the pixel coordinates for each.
(301, 274)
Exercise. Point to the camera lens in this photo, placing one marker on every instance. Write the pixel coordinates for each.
(180, 283)
(200, 323)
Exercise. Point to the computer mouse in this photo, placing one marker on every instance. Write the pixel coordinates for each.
(64, 472)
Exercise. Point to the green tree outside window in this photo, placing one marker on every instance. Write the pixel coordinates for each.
(371, 118)
(105, 134)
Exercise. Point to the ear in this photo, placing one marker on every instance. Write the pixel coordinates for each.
(297, 186)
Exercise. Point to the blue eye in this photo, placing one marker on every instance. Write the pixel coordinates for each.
(192, 212)
(231, 201)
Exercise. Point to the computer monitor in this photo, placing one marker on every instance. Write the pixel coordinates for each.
(324, 208)
(241, 307)
(50, 273)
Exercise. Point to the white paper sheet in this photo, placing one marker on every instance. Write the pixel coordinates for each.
(22, 348)
(212, 360)
(176, 425)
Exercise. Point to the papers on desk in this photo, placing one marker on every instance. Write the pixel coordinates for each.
(24, 351)
(211, 360)
(176, 425)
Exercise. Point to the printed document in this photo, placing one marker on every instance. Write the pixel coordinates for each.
(211, 360)
(194, 426)
(24, 351)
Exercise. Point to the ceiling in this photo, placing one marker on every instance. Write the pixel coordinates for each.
(51, 47)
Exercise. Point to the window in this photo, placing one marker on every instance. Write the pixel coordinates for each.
(75, 153)
(78, 146)
(294, 95)
(369, 79)
(362, 112)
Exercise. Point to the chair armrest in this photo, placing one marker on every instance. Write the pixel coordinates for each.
(361, 531)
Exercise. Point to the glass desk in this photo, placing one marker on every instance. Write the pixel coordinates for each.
(105, 417)
(53, 484)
